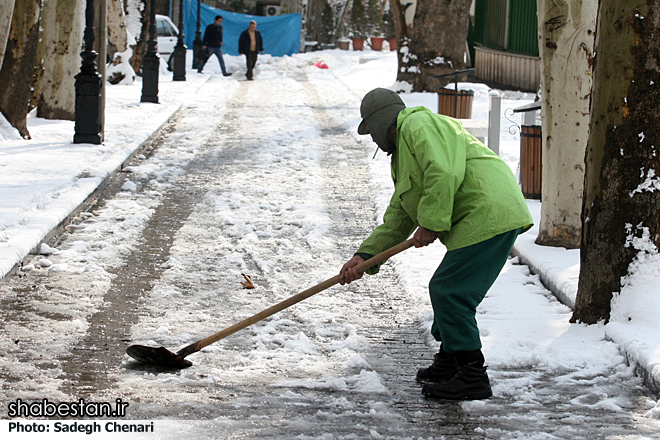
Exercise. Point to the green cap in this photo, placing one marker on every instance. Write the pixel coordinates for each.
(379, 110)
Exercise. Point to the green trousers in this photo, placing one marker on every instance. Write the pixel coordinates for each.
(458, 286)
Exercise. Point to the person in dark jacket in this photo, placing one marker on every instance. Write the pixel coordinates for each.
(250, 44)
(212, 43)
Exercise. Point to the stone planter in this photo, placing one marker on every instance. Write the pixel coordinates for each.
(344, 44)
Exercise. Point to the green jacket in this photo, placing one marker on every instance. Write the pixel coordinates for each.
(446, 181)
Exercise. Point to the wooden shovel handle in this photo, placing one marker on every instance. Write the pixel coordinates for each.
(196, 346)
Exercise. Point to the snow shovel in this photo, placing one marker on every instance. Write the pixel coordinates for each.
(161, 356)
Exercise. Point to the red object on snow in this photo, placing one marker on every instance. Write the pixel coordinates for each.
(321, 65)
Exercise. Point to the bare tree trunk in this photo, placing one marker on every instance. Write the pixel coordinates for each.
(117, 38)
(402, 35)
(343, 19)
(435, 44)
(621, 207)
(18, 63)
(101, 47)
(141, 45)
(400, 26)
(118, 50)
(567, 31)
(62, 29)
(6, 13)
(314, 20)
(38, 68)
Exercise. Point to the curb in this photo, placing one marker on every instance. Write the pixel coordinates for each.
(547, 282)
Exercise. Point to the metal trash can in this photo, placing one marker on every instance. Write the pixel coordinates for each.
(531, 160)
(455, 103)
(531, 164)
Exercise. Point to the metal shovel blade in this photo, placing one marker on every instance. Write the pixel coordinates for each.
(159, 356)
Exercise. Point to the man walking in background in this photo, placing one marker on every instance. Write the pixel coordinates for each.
(250, 44)
(212, 43)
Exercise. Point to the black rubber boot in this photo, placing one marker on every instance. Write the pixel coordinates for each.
(469, 383)
(444, 367)
(474, 358)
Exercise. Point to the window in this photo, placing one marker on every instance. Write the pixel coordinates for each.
(165, 29)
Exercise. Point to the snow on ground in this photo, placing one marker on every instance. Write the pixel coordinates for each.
(44, 179)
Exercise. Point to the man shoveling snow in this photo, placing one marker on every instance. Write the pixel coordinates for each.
(451, 187)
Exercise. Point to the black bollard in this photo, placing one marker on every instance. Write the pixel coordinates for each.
(151, 61)
(197, 42)
(179, 54)
(88, 108)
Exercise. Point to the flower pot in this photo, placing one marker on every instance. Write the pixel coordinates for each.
(377, 43)
(358, 44)
(392, 42)
(344, 44)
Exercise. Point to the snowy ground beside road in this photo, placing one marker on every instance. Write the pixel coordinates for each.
(267, 219)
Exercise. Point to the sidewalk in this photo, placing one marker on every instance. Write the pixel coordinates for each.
(40, 197)
(559, 270)
(44, 182)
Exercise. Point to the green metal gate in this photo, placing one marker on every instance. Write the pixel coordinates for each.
(496, 24)
(523, 27)
(507, 25)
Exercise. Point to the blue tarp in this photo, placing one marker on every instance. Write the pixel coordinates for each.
(281, 34)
